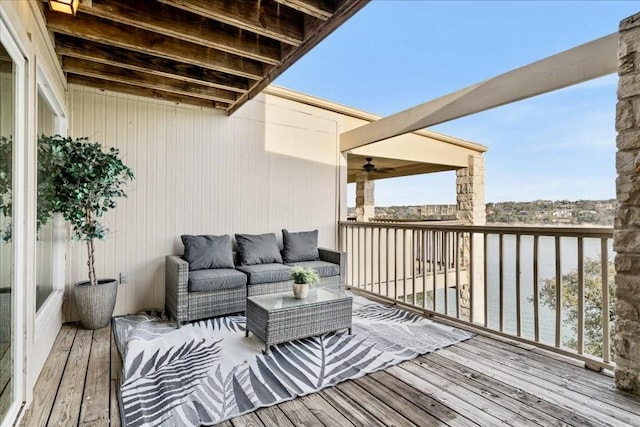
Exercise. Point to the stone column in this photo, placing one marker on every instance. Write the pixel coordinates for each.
(470, 192)
(365, 190)
(626, 237)
(471, 210)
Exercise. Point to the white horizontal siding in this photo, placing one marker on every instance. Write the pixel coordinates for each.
(271, 165)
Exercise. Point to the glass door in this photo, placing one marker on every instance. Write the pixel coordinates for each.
(8, 81)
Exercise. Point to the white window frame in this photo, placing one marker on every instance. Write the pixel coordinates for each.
(19, 139)
(53, 304)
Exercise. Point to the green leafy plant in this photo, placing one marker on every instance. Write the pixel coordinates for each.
(593, 309)
(45, 189)
(304, 275)
(86, 180)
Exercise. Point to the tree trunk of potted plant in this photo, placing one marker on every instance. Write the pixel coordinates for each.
(95, 298)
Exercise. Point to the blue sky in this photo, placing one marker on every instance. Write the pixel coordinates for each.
(395, 54)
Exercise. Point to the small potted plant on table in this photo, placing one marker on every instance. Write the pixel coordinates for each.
(302, 279)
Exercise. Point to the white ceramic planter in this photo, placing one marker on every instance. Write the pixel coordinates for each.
(300, 290)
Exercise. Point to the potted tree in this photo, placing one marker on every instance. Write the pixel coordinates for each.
(86, 181)
(302, 279)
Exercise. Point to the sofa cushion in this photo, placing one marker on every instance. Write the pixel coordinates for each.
(216, 279)
(207, 251)
(323, 268)
(266, 273)
(301, 246)
(258, 249)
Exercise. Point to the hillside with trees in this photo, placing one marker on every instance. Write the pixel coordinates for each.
(538, 212)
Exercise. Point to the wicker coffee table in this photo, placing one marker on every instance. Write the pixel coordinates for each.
(278, 318)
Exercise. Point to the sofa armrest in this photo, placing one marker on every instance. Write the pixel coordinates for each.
(336, 257)
(177, 287)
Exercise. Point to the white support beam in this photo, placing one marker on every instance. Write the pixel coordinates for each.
(585, 62)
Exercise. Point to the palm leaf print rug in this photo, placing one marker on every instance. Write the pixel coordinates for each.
(208, 371)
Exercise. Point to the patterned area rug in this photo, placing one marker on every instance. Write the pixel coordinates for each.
(207, 372)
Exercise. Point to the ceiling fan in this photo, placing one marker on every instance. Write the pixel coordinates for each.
(370, 167)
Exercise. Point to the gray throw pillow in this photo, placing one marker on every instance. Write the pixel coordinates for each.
(302, 246)
(258, 249)
(204, 252)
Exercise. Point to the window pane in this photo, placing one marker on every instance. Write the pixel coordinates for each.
(44, 243)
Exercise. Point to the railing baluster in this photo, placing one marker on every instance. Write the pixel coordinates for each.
(413, 265)
(395, 263)
(501, 278)
(518, 302)
(386, 261)
(352, 263)
(486, 282)
(457, 261)
(580, 348)
(365, 255)
(373, 240)
(404, 265)
(606, 315)
(536, 294)
(379, 261)
(558, 293)
(435, 269)
(423, 254)
(471, 277)
(372, 259)
(446, 273)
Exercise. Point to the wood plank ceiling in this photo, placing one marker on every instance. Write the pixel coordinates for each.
(211, 53)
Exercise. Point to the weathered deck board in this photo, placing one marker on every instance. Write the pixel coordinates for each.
(66, 408)
(420, 397)
(273, 416)
(479, 382)
(375, 407)
(565, 387)
(327, 414)
(399, 403)
(97, 384)
(349, 408)
(592, 384)
(512, 399)
(49, 379)
(538, 386)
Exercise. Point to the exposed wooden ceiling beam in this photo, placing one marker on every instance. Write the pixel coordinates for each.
(179, 24)
(344, 11)
(141, 91)
(119, 35)
(136, 78)
(320, 9)
(98, 52)
(588, 61)
(263, 17)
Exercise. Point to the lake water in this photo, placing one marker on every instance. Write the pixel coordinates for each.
(546, 270)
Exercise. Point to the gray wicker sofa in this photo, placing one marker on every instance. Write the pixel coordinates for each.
(210, 279)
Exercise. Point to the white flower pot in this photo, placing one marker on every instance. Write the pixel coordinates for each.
(300, 290)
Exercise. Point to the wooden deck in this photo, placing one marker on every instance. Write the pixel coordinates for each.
(479, 382)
